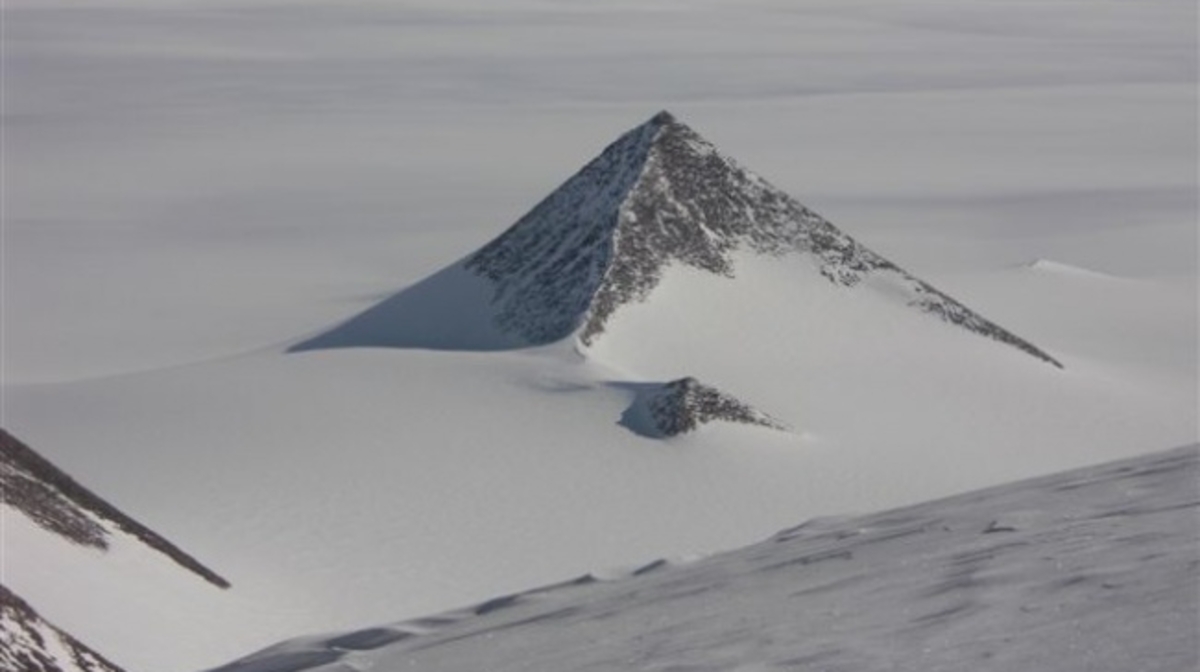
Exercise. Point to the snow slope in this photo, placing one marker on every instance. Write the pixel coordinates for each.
(1092, 569)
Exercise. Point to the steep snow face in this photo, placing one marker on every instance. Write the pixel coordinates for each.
(1093, 569)
(663, 195)
(30, 644)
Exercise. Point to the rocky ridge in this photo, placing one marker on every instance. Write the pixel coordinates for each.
(683, 405)
(32, 485)
(30, 644)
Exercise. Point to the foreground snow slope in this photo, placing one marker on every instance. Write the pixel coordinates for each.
(1094, 569)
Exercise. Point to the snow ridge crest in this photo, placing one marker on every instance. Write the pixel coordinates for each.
(660, 195)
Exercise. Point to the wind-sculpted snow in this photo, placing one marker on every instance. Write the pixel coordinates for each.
(684, 405)
(1093, 569)
(30, 644)
(662, 195)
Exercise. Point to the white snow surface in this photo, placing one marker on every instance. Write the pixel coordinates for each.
(192, 187)
(1094, 569)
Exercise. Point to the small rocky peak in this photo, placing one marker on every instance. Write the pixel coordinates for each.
(683, 405)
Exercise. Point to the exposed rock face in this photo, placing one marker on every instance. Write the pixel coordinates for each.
(30, 644)
(663, 195)
(683, 405)
(32, 485)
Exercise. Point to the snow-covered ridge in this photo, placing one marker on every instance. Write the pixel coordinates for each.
(1091, 569)
(30, 644)
(663, 195)
(32, 485)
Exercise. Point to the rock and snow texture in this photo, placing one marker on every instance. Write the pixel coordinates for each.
(44, 508)
(1093, 569)
(32, 485)
(659, 196)
(30, 644)
(684, 405)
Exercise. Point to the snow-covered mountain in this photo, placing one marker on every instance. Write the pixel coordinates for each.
(684, 405)
(33, 490)
(1094, 569)
(659, 196)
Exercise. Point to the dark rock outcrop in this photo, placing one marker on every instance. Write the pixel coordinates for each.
(663, 410)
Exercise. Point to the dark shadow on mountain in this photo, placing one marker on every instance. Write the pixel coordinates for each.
(450, 310)
(637, 417)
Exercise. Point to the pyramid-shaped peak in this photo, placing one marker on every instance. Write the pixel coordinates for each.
(660, 196)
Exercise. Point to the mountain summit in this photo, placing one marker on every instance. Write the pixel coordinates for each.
(660, 195)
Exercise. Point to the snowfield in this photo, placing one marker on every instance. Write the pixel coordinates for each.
(1093, 569)
(239, 299)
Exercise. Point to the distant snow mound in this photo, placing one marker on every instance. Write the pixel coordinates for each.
(32, 485)
(30, 644)
(659, 195)
(683, 405)
(1064, 269)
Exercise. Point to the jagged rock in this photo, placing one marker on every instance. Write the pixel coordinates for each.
(30, 644)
